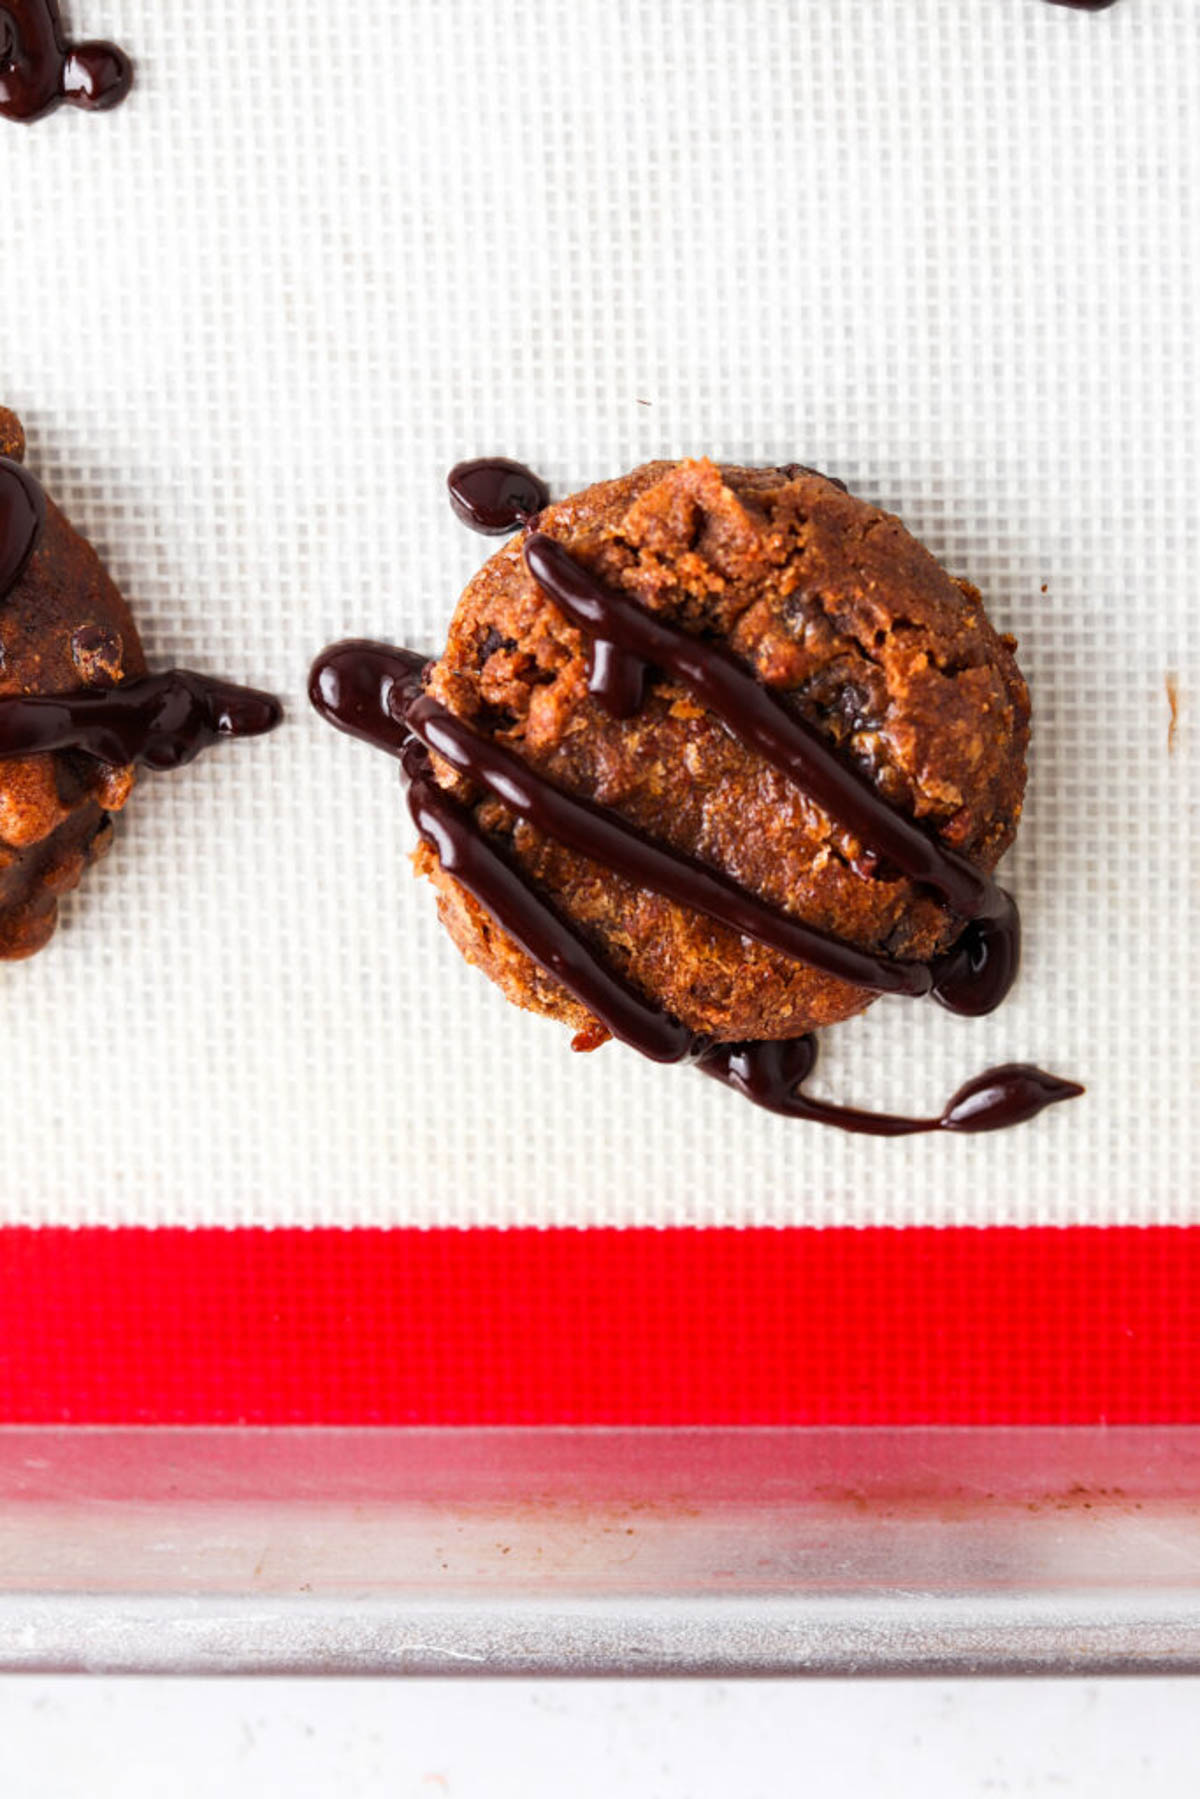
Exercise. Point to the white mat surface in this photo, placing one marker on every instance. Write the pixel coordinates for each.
(946, 249)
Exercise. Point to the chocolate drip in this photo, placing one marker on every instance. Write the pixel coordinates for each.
(494, 496)
(161, 721)
(978, 973)
(40, 68)
(1004, 1096)
(364, 689)
(771, 1075)
(373, 692)
(1086, 5)
(22, 519)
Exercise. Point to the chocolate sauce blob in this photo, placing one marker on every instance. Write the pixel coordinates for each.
(22, 518)
(160, 721)
(41, 69)
(374, 692)
(1085, 5)
(493, 495)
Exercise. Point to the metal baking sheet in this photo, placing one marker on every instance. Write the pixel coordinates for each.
(585, 1552)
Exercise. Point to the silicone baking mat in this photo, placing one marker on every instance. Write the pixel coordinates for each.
(946, 249)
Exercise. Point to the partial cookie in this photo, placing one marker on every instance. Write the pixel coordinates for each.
(77, 708)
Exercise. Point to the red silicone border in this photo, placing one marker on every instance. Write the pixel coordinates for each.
(877, 1326)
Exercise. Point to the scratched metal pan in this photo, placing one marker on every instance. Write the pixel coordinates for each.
(600, 1552)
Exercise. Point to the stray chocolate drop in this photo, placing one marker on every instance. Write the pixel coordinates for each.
(1004, 1096)
(41, 69)
(375, 693)
(364, 688)
(22, 519)
(495, 496)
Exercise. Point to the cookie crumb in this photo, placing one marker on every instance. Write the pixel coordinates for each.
(1171, 688)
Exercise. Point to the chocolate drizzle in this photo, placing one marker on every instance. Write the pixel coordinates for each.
(772, 1075)
(22, 518)
(543, 933)
(348, 683)
(982, 966)
(41, 69)
(605, 837)
(374, 692)
(161, 721)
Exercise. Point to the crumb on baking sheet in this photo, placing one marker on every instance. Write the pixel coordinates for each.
(1171, 687)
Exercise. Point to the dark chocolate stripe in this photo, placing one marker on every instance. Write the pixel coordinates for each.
(22, 521)
(771, 1075)
(555, 945)
(161, 721)
(605, 837)
(973, 977)
(757, 718)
